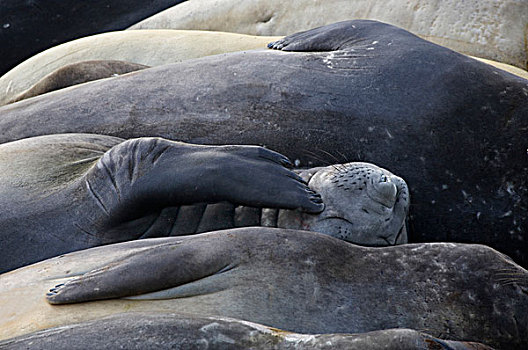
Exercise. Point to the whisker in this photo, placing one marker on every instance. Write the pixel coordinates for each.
(336, 160)
(344, 156)
(317, 157)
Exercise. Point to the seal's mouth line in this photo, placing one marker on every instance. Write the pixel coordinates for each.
(399, 234)
(387, 240)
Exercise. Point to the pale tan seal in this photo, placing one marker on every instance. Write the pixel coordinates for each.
(146, 47)
(78, 73)
(490, 29)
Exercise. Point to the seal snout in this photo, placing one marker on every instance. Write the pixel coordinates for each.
(387, 192)
(383, 190)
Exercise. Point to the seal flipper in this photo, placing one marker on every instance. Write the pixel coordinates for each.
(336, 36)
(141, 176)
(160, 267)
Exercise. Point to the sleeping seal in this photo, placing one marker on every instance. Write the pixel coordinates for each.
(473, 27)
(74, 191)
(28, 27)
(77, 73)
(297, 281)
(149, 330)
(451, 126)
(146, 47)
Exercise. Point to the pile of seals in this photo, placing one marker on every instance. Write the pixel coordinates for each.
(143, 198)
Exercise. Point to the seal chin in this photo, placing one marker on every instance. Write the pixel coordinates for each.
(344, 229)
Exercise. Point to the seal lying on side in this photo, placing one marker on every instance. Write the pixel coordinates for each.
(473, 27)
(364, 204)
(75, 191)
(78, 73)
(147, 47)
(298, 281)
(449, 125)
(144, 330)
(69, 192)
(28, 27)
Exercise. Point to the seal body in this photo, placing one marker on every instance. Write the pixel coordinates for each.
(107, 204)
(169, 330)
(42, 24)
(146, 47)
(68, 192)
(451, 126)
(77, 73)
(297, 281)
(473, 28)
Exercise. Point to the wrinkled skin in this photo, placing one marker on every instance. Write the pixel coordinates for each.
(451, 126)
(75, 191)
(297, 281)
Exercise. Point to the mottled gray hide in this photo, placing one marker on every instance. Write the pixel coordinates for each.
(305, 282)
(364, 204)
(451, 126)
(61, 193)
(176, 331)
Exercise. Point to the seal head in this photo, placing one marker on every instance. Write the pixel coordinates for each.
(364, 204)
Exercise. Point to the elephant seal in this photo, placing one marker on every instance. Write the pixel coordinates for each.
(474, 27)
(28, 27)
(146, 47)
(364, 204)
(297, 281)
(451, 126)
(78, 73)
(77, 191)
(144, 330)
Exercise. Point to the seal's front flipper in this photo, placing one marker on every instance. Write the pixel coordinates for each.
(336, 36)
(139, 177)
(158, 268)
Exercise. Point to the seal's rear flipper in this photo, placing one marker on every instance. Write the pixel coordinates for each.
(338, 36)
(160, 267)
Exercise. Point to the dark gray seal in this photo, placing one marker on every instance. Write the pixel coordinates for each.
(61, 193)
(298, 281)
(176, 331)
(452, 127)
(75, 191)
(78, 73)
